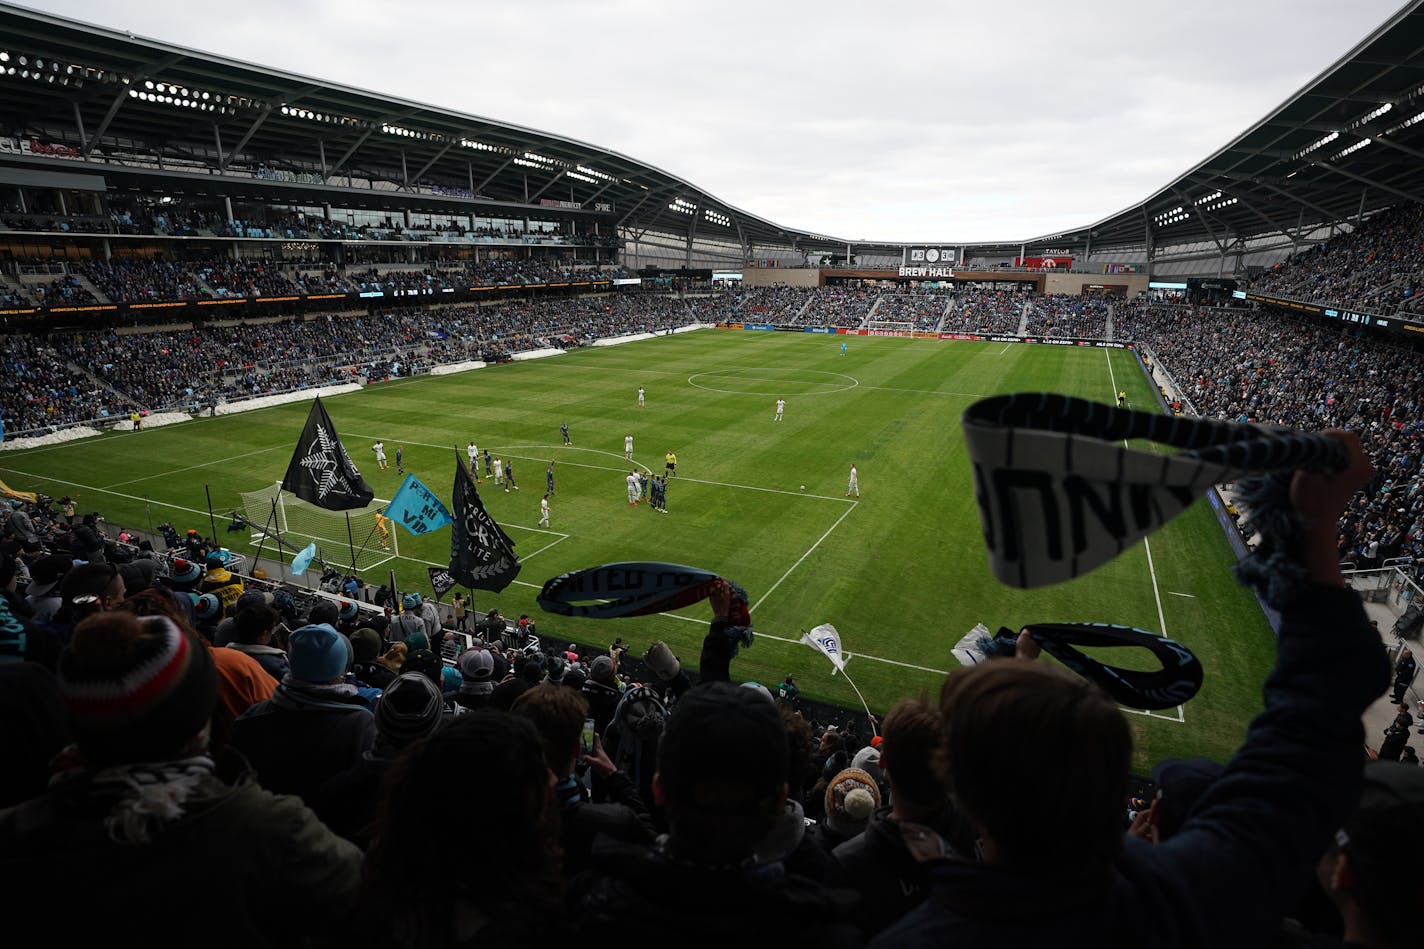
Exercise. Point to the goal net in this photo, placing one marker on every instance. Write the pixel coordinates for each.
(372, 538)
(889, 328)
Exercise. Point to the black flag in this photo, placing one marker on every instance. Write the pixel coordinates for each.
(321, 472)
(481, 555)
(440, 581)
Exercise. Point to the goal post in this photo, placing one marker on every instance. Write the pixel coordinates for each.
(335, 533)
(890, 328)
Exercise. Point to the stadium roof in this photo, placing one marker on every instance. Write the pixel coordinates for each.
(211, 108)
(1351, 140)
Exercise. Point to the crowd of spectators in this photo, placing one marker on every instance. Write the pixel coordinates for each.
(775, 304)
(65, 291)
(1067, 315)
(836, 306)
(344, 773)
(195, 368)
(1258, 366)
(981, 310)
(142, 280)
(925, 310)
(1378, 266)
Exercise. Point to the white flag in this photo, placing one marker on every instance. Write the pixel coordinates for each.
(967, 650)
(828, 641)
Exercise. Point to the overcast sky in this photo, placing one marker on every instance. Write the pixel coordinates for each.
(899, 121)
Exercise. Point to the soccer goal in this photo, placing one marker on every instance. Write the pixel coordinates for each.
(889, 328)
(297, 523)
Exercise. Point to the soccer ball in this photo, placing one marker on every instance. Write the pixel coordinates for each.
(803, 487)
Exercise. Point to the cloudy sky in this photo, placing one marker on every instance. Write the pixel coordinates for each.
(901, 121)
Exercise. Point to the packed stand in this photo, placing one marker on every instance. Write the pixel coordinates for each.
(147, 280)
(922, 309)
(1066, 315)
(229, 278)
(836, 306)
(66, 291)
(42, 393)
(167, 718)
(775, 305)
(1258, 366)
(979, 310)
(1378, 266)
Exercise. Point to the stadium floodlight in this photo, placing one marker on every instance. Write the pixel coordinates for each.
(1318, 143)
(4, 57)
(1362, 143)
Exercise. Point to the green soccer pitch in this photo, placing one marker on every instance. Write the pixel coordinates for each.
(901, 573)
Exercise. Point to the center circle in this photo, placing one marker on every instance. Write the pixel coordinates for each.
(772, 381)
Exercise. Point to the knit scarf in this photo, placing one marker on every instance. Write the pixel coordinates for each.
(142, 797)
(294, 695)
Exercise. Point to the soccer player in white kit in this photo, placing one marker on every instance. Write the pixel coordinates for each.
(780, 407)
(633, 487)
(628, 447)
(640, 397)
(474, 452)
(854, 483)
(498, 472)
(380, 449)
(544, 511)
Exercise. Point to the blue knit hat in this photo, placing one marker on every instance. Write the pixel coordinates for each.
(318, 653)
(411, 601)
(208, 607)
(348, 611)
(184, 571)
(417, 641)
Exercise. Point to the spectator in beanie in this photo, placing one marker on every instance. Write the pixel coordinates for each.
(601, 692)
(315, 725)
(1057, 868)
(408, 711)
(419, 891)
(242, 682)
(558, 715)
(221, 582)
(139, 692)
(851, 797)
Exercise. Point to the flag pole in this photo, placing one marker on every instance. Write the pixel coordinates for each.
(870, 718)
(211, 521)
(350, 542)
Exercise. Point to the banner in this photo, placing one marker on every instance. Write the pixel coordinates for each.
(1044, 263)
(481, 555)
(828, 641)
(440, 581)
(630, 589)
(10, 492)
(416, 508)
(1060, 493)
(303, 559)
(320, 471)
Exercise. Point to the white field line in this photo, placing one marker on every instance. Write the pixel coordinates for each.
(768, 593)
(1190, 596)
(1147, 546)
(206, 464)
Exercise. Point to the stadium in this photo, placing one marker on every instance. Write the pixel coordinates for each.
(209, 269)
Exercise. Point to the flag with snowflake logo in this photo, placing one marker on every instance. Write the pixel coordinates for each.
(481, 554)
(321, 472)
